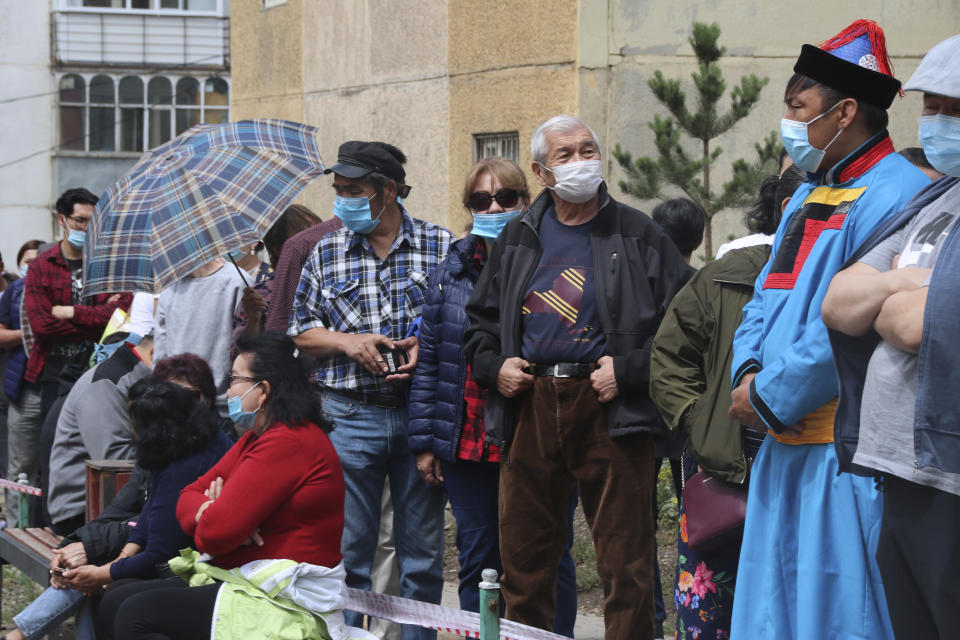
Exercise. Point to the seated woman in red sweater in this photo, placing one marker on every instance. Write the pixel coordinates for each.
(278, 493)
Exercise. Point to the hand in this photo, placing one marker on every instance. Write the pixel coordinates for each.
(604, 381)
(71, 556)
(62, 312)
(254, 539)
(114, 299)
(429, 467)
(912, 278)
(213, 492)
(254, 306)
(511, 379)
(362, 347)
(741, 409)
(88, 578)
(202, 508)
(412, 346)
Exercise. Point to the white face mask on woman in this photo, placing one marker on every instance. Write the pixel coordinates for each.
(576, 182)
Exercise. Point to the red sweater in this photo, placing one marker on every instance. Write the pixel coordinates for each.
(288, 482)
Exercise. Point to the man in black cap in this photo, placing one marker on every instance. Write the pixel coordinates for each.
(359, 297)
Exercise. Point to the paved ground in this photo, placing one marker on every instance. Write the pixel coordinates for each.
(587, 627)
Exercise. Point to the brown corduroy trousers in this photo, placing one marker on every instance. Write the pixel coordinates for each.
(561, 443)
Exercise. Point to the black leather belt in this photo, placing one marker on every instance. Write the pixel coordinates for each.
(382, 400)
(564, 370)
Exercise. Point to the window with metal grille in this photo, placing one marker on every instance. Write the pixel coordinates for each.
(504, 145)
(114, 113)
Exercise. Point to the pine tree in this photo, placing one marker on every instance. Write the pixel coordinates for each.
(674, 166)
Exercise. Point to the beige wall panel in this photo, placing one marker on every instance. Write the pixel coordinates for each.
(494, 102)
(755, 27)
(266, 52)
(495, 34)
(354, 44)
(412, 116)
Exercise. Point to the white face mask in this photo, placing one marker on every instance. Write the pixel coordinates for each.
(576, 182)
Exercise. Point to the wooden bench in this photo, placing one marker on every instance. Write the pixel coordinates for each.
(30, 551)
(105, 478)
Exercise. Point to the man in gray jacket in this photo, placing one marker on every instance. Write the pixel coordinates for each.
(93, 424)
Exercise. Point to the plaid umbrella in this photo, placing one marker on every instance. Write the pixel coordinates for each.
(211, 190)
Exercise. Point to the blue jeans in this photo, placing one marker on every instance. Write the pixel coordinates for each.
(473, 489)
(51, 609)
(372, 445)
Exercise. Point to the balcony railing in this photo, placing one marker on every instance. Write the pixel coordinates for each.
(118, 39)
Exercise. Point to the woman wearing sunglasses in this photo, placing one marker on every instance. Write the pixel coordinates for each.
(446, 405)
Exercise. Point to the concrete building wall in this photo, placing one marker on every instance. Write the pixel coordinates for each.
(376, 70)
(25, 183)
(761, 38)
(512, 66)
(266, 49)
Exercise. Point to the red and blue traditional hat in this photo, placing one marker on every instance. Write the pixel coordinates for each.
(854, 62)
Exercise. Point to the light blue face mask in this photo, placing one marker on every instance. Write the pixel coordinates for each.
(23, 270)
(241, 418)
(940, 139)
(796, 140)
(489, 225)
(76, 238)
(355, 214)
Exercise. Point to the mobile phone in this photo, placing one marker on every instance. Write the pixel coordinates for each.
(60, 569)
(394, 358)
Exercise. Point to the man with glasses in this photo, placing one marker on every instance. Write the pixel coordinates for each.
(361, 291)
(561, 322)
(65, 325)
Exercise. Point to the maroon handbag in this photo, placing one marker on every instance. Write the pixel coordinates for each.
(715, 511)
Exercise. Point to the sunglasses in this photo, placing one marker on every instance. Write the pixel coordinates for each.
(506, 198)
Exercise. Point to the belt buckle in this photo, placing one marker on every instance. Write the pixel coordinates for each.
(557, 374)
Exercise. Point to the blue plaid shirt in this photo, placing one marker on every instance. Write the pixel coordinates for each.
(345, 287)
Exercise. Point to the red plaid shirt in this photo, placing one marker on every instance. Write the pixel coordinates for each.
(48, 285)
(473, 445)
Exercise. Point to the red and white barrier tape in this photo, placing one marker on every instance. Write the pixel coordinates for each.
(434, 616)
(21, 488)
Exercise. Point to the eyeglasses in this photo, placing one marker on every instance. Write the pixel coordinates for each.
(80, 222)
(481, 200)
(233, 379)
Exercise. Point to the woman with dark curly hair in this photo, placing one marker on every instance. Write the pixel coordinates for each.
(277, 494)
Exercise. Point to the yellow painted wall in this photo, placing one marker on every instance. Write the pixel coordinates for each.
(265, 60)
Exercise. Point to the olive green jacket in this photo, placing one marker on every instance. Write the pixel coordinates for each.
(691, 355)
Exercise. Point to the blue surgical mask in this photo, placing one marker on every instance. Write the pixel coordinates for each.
(489, 225)
(355, 214)
(76, 238)
(23, 269)
(796, 141)
(241, 418)
(940, 138)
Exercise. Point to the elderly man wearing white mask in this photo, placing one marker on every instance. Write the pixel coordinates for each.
(561, 322)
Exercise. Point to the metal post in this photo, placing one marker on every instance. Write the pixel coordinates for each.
(23, 504)
(489, 605)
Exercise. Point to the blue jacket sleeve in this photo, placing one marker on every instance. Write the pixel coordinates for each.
(423, 389)
(157, 526)
(749, 335)
(802, 376)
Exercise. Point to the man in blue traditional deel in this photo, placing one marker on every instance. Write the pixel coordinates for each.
(895, 331)
(807, 567)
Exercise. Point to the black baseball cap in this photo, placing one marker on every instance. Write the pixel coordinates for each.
(357, 158)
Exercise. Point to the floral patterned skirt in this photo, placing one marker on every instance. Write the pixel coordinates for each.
(704, 589)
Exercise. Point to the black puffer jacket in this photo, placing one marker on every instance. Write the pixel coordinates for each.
(436, 394)
(637, 271)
